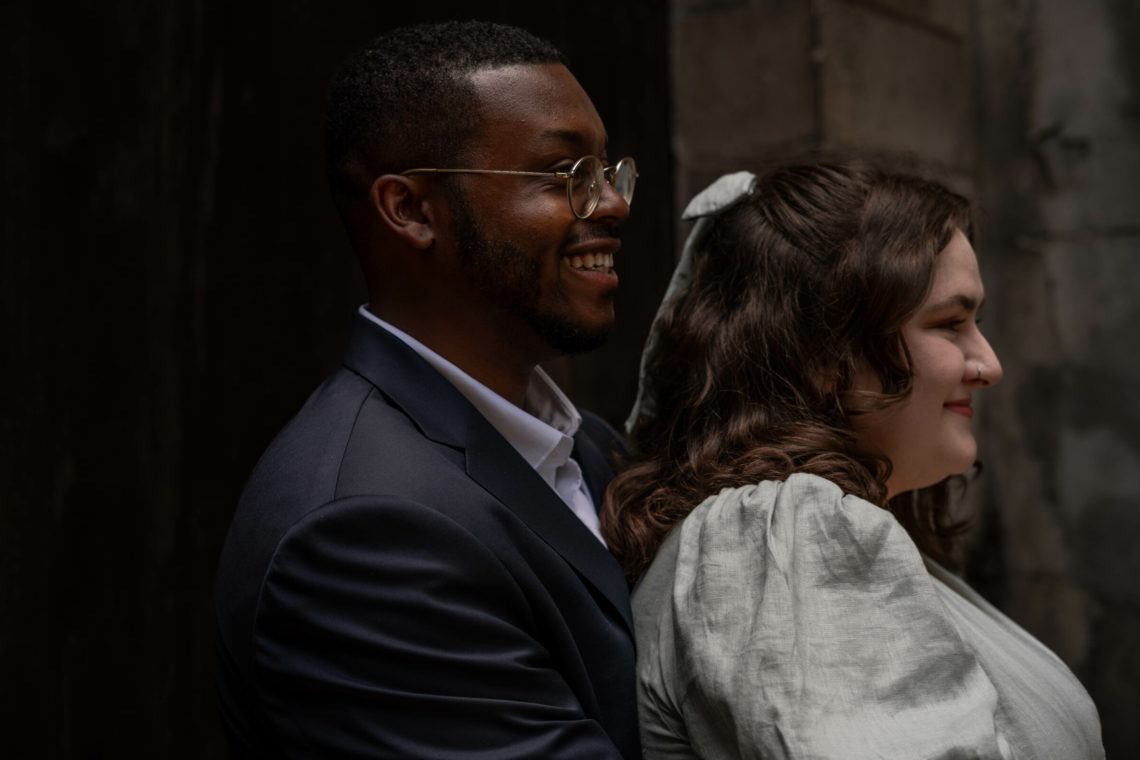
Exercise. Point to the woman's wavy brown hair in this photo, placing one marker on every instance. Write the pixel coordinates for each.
(810, 277)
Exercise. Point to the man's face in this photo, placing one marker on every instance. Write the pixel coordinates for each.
(542, 270)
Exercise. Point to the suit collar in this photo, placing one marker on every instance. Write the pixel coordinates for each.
(541, 430)
(446, 417)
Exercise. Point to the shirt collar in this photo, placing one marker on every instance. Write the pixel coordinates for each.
(541, 430)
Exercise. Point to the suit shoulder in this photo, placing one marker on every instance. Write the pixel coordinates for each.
(602, 434)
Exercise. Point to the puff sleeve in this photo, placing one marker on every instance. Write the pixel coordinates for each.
(788, 620)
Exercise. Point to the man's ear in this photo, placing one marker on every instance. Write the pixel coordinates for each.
(405, 209)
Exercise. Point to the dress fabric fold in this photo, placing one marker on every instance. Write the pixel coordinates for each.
(789, 620)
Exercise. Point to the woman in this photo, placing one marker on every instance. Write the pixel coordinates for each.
(807, 393)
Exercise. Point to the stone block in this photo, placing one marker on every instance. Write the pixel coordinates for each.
(890, 85)
(1101, 273)
(1056, 611)
(1111, 677)
(743, 81)
(948, 16)
(682, 7)
(1083, 122)
(1100, 489)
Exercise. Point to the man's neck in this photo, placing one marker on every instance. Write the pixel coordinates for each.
(490, 357)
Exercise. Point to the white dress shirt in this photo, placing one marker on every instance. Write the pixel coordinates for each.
(541, 431)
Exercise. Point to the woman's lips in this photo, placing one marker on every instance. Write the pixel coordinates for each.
(962, 407)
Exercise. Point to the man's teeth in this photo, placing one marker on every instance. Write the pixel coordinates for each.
(597, 261)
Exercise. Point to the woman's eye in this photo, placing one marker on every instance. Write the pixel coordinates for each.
(953, 325)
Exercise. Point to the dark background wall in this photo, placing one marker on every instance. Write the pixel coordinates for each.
(174, 283)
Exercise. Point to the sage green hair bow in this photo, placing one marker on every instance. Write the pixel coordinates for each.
(721, 195)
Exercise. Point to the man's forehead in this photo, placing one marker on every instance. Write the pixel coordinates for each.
(544, 101)
(509, 76)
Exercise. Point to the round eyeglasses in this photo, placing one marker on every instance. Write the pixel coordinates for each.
(584, 180)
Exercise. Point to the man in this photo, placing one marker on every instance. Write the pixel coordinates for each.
(415, 567)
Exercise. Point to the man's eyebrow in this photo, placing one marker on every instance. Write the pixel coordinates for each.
(569, 135)
(968, 303)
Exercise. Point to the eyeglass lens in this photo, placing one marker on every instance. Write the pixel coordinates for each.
(586, 183)
(585, 189)
(625, 176)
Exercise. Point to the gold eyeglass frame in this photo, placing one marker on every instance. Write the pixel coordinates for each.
(609, 175)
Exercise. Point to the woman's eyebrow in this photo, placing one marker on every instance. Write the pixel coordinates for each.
(968, 303)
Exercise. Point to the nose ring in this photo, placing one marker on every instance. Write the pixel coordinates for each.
(979, 378)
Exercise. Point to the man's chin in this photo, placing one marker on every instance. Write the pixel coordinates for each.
(568, 339)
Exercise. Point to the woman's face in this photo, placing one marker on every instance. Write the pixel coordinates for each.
(928, 435)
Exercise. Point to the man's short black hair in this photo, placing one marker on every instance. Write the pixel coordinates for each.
(405, 100)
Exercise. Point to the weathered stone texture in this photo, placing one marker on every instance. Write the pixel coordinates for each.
(1084, 119)
(757, 83)
(743, 81)
(889, 85)
(1094, 288)
(949, 16)
(1062, 258)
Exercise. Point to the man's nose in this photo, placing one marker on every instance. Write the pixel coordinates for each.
(611, 206)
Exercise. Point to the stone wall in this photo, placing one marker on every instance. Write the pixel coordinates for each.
(759, 82)
(1059, 128)
(1030, 108)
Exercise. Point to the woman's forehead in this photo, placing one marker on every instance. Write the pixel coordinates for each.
(956, 277)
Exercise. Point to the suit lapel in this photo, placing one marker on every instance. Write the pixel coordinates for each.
(528, 496)
(596, 471)
(445, 416)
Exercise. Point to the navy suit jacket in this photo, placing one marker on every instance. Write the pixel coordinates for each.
(399, 582)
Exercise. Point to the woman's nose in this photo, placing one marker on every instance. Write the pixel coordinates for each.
(986, 365)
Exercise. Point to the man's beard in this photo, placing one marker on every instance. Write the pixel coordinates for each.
(512, 280)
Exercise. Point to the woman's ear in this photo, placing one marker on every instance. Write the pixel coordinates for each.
(404, 208)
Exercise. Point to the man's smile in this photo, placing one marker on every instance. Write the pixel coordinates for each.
(591, 262)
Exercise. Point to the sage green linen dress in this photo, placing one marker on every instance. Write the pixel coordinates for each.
(788, 620)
